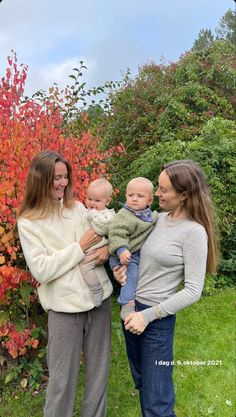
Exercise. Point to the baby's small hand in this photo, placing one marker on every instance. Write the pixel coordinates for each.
(125, 257)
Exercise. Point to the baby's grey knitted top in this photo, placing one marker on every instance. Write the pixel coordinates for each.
(175, 250)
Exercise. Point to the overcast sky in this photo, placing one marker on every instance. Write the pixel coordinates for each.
(52, 36)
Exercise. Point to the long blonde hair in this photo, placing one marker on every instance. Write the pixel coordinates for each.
(187, 177)
(39, 201)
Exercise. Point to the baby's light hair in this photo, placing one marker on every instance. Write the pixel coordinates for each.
(143, 180)
(103, 182)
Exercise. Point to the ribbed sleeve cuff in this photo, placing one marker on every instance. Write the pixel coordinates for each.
(153, 313)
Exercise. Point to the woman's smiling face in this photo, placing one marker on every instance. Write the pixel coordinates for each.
(169, 199)
(60, 179)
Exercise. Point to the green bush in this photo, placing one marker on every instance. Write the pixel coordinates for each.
(171, 101)
(214, 149)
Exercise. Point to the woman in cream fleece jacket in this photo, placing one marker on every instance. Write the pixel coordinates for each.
(54, 240)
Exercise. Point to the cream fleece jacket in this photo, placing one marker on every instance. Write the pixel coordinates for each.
(53, 254)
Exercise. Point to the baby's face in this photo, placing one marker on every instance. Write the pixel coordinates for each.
(138, 196)
(97, 198)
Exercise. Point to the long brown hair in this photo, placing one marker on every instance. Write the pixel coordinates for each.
(39, 201)
(187, 177)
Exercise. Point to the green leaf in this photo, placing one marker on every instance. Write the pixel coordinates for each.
(24, 382)
(210, 410)
(35, 333)
(10, 377)
(19, 325)
(4, 315)
(25, 294)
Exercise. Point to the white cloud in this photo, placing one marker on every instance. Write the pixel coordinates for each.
(44, 77)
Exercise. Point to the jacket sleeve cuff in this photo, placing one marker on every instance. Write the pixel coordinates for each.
(121, 250)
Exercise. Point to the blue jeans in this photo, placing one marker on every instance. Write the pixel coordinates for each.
(150, 358)
(127, 292)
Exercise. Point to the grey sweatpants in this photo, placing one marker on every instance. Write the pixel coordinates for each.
(69, 335)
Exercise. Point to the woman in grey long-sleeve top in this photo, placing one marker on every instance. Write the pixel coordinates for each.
(181, 247)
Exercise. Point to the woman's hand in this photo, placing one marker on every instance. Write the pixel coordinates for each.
(135, 323)
(101, 255)
(89, 239)
(119, 273)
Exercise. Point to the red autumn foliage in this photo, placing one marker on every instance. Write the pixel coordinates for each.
(11, 278)
(16, 342)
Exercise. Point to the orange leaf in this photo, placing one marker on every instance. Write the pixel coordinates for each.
(7, 237)
(2, 260)
(35, 343)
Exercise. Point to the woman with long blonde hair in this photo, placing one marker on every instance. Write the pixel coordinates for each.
(54, 241)
(181, 247)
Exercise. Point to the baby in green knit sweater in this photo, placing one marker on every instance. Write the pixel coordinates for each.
(127, 233)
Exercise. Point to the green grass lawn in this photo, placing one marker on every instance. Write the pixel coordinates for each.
(204, 373)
